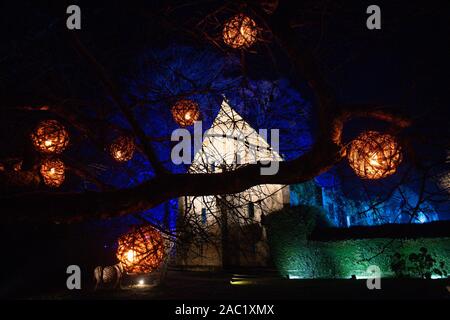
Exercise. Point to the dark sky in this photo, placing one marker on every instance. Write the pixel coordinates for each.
(404, 63)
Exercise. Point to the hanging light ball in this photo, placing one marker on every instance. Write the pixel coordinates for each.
(122, 149)
(141, 250)
(240, 32)
(185, 112)
(53, 172)
(374, 155)
(50, 137)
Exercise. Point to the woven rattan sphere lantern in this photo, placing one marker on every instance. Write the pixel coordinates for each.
(185, 112)
(50, 137)
(53, 172)
(122, 149)
(141, 250)
(240, 32)
(374, 155)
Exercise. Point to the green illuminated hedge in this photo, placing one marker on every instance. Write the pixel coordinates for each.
(296, 256)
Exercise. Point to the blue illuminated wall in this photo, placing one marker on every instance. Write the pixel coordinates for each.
(343, 210)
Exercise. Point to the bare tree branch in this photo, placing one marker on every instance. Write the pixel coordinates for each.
(126, 110)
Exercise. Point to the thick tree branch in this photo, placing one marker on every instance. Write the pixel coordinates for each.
(348, 113)
(67, 207)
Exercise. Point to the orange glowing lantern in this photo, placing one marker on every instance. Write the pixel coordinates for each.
(122, 149)
(50, 137)
(240, 32)
(185, 112)
(374, 155)
(141, 250)
(53, 172)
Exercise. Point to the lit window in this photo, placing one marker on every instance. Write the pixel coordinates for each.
(251, 210)
(204, 215)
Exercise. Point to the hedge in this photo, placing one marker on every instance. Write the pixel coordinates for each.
(295, 255)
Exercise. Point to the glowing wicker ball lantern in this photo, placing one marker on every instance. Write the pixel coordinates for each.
(141, 250)
(50, 137)
(185, 112)
(53, 172)
(122, 149)
(374, 155)
(240, 32)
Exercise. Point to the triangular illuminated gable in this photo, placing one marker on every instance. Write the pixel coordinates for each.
(231, 138)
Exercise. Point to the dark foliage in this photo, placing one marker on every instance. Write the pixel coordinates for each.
(421, 265)
(301, 220)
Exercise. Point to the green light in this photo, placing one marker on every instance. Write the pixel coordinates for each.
(342, 259)
(297, 257)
